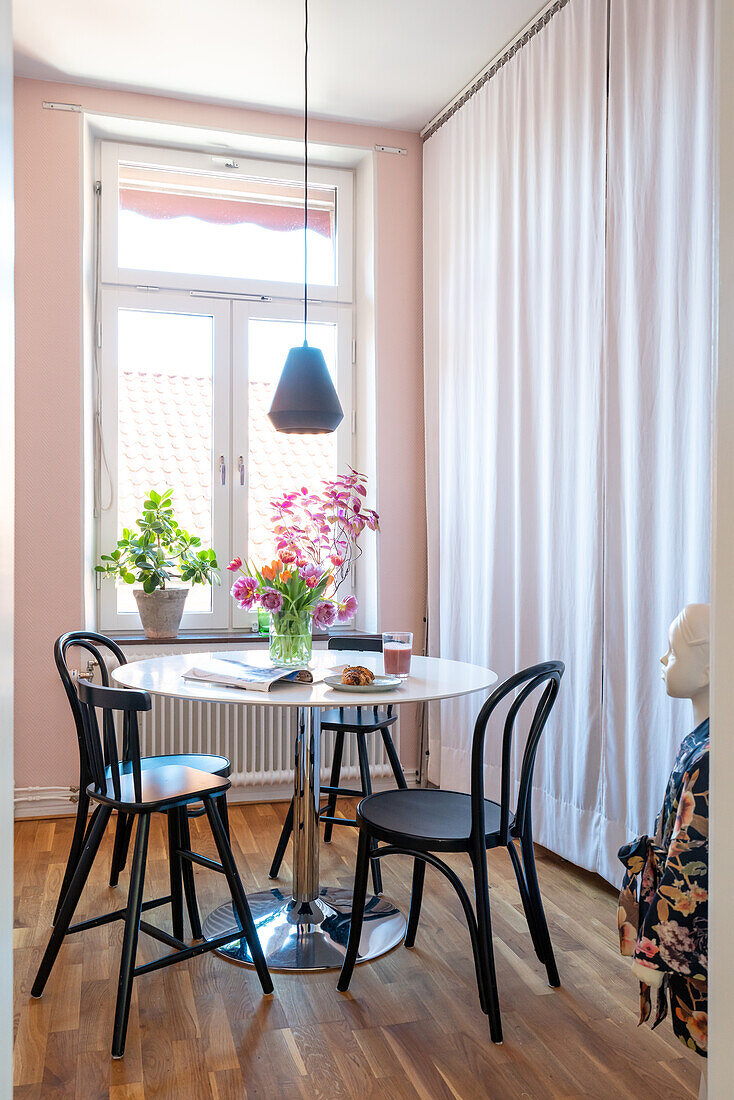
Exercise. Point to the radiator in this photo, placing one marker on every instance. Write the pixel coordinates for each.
(258, 740)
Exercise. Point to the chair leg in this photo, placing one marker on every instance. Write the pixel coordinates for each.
(486, 951)
(336, 771)
(359, 897)
(130, 936)
(416, 896)
(189, 883)
(71, 898)
(285, 835)
(119, 860)
(364, 771)
(224, 814)
(77, 843)
(394, 759)
(522, 886)
(119, 852)
(536, 903)
(175, 867)
(239, 899)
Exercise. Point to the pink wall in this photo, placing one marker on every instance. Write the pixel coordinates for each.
(49, 578)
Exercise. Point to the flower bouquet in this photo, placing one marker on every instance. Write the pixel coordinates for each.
(316, 541)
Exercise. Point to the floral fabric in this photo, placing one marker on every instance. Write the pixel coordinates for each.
(663, 923)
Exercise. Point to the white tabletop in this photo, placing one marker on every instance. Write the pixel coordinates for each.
(430, 678)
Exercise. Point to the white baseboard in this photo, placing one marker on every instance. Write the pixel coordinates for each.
(45, 801)
(31, 802)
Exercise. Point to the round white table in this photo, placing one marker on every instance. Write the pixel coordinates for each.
(308, 928)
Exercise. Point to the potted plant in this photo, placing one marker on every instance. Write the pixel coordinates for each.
(156, 553)
(316, 539)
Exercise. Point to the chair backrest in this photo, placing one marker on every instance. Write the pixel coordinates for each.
(97, 646)
(371, 644)
(525, 683)
(101, 745)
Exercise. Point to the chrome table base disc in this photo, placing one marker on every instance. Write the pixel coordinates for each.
(309, 935)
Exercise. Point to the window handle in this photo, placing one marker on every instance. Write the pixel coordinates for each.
(222, 470)
(241, 468)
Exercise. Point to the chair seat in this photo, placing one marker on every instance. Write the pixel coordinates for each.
(166, 785)
(429, 820)
(349, 718)
(200, 761)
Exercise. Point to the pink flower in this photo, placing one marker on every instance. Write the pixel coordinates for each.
(336, 559)
(287, 556)
(324, 614)
(243, 592)
(236, 563)
(271, 601)
(348, 609)
(697, 1028)
(311, 574)
(686, 806)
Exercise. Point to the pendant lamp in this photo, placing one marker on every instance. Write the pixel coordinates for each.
(305, 401)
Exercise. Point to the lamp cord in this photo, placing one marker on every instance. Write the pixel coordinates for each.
(305, 176)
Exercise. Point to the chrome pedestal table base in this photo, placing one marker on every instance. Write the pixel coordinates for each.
(309, 935)
(309, 928)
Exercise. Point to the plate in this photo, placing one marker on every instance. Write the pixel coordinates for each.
(380, 683)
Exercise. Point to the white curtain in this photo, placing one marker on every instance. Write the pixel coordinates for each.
(658, 384)
(544, 519)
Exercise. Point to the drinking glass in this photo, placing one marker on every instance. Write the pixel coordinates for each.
(397, 647)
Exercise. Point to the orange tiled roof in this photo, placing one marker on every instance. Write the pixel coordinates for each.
(277, 464)
(165, 441)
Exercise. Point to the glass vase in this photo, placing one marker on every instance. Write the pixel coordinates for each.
(291, 640)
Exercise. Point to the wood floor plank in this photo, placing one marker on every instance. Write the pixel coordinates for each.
(410, 1026)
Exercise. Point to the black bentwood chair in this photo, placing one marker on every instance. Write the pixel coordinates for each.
(103, 652)
(342, 720)
(131, 789)
(421, 822)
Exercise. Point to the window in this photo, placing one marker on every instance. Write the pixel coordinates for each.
(200, 300)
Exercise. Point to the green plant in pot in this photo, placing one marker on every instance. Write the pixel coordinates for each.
(154, 554)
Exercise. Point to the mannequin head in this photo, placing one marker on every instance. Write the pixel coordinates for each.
(686, 664)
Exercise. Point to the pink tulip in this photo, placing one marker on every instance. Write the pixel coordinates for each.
(243, 592)
(348, 609)
(324, 614)
(271, 601)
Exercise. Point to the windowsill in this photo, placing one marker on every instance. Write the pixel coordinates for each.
(218, 637)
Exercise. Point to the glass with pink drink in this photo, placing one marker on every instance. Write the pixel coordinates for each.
(397, 647)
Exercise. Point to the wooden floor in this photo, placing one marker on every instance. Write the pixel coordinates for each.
(410, 1027)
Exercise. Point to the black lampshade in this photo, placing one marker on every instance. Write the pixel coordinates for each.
(305, 402)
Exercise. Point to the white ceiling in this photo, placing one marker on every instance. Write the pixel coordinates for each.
(391, 62)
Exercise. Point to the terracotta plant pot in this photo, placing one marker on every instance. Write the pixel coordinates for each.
(161, 611)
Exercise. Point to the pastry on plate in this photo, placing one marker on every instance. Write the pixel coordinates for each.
(357, 676)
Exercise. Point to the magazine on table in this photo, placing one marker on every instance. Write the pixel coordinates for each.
(233, 672)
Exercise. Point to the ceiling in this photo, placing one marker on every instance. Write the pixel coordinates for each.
(390, 62)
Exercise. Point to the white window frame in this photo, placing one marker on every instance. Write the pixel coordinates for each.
(114, 299)
(184, 293)
(243, 313)
(204, 164)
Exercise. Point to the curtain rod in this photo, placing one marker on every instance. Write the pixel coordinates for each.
(514, 46)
